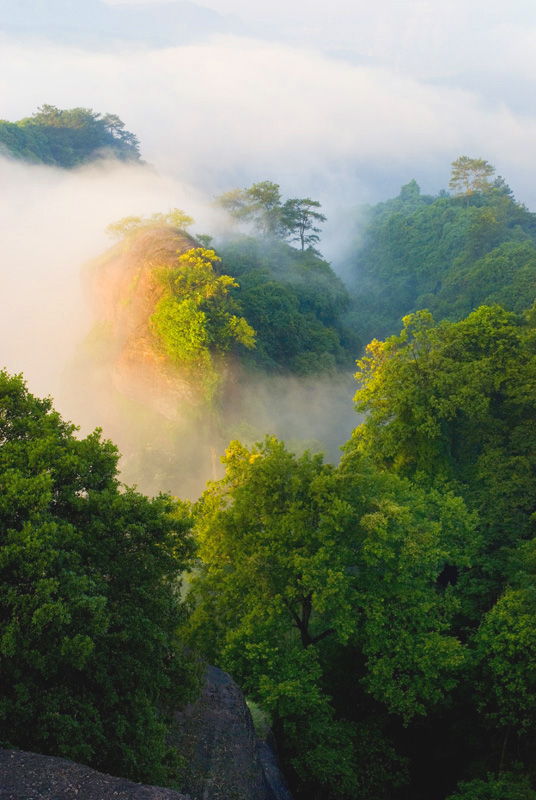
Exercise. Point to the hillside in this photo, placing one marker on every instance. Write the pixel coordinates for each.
(449, 254)
(378, 612)
(67, 138)
(123, 292)
(188, 350)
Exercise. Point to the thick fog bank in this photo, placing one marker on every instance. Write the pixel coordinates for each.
(53, 221)
(231, 110)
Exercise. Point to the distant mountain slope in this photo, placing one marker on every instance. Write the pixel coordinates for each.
(67, 138)
(93, 22)
(449, 254)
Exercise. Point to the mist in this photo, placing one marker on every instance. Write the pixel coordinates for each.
(52, 222)
(226, 112)
(52, 225)
(230, 111)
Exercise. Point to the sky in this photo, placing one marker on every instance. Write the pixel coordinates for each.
(424, 37)
(342, 103)
(349, 100)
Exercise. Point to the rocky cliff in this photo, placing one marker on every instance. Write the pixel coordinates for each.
(225, 759)
(123, 291)
(28, 776)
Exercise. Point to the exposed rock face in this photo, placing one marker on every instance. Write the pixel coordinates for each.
(123, 291)
(28, 776)
(226, 759)
(215, 734)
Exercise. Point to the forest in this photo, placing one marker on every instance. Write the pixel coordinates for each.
(67, 138)
(379, 612)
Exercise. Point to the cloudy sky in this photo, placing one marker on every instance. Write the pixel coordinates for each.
(350, 100)
(342, 103)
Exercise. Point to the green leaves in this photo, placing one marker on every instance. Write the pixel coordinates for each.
(470, 175)
(295, 219)
(506, 643)
(508, 786)
(127, 227)
(89, 605)
(416, 251)
(68, 138)
(196, 319)
(302, 563)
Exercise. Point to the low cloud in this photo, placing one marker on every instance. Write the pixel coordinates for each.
(231, 111)
(52, 221)
(210, 116)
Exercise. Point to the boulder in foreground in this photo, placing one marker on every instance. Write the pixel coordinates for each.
(28, 776)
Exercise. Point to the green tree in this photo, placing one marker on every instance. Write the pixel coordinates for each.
(127, 227)
(68, 138)
(506, 643)
(262, 205)
(294, 301)
(505, 653)
(403, 537)
(508, 786)
(299, 218)
(470, 175)
(300, 562)
(89, 601)
(453, 405)
(273, 586)
(197, 319)
(416, 251)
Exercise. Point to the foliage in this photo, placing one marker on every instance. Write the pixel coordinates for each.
(470, 175)
(68, 138)
(294, 301)
(295, 219)
(451, 406)
(196, 319)
(454, 402)
(507, 648)
(417, 251)
(406, 537)
(276, 579)
(508, 786)
(299, 217)
(262, 721)
(130, 226)
(299, 560)
(89, 602)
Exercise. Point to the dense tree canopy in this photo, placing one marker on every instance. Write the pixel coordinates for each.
(196, 318)
(68, 138)
(89, 603)
(418, 251)
(301, 562)
(382, 610)
(454, 402)
(452, 406)
(295, 303)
